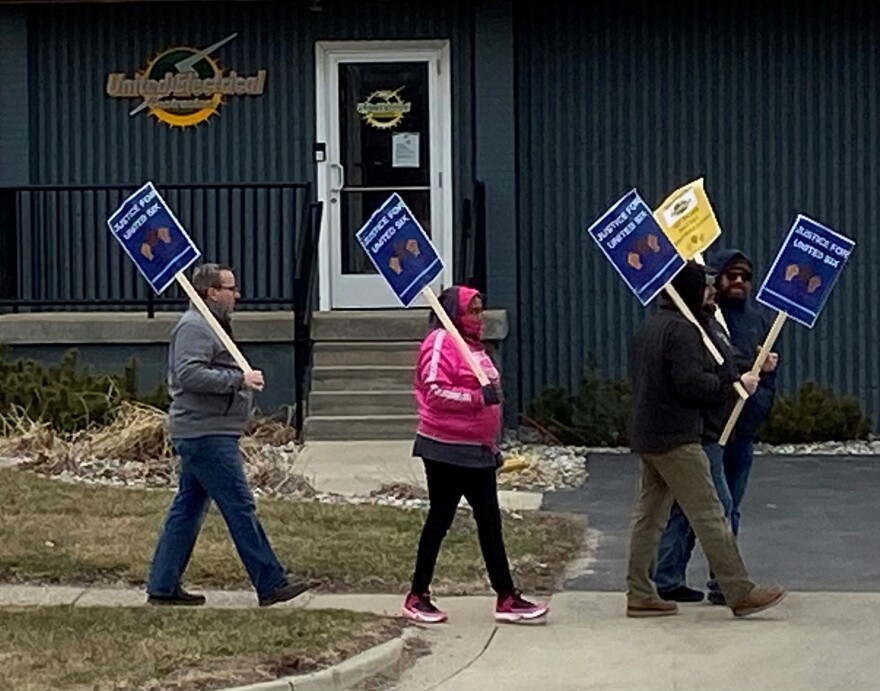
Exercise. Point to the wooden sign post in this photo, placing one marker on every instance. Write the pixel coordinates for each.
(763, 353)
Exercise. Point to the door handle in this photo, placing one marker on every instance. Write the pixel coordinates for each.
(337, 172)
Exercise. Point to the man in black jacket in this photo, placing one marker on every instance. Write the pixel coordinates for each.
(678, 539)
(674, 378)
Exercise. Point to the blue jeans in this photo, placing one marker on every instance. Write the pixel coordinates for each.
(737, 466)
(211, 468)
(678, 539)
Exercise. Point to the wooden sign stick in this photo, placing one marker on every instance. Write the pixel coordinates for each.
(719, 317)
(456, 336)
(763, 353)
(710, 346)
(205, 311)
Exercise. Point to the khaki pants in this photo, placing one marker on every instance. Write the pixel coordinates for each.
(682, 474)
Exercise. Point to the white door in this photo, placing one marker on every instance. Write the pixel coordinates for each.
(384, 116)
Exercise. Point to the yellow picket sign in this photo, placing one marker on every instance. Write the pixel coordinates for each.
(687, 218)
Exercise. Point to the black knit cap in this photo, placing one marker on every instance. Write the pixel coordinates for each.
(690, 283)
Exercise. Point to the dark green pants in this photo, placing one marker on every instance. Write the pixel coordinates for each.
(682, 474)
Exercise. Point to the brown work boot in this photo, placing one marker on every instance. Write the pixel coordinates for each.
(758, 600)
(655, 607)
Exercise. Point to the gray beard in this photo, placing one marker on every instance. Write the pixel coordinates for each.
(217, 309)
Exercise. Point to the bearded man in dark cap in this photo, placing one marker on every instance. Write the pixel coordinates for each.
(748, 328)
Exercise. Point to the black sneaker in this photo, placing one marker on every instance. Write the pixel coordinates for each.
(681, 594)
(180, 598)
(283, 593)
(716, 597)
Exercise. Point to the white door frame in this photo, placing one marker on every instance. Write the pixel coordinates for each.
(436, 52)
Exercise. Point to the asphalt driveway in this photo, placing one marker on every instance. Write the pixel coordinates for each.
(808, 523)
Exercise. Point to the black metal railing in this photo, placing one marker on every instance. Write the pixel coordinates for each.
(56, 251)
(472, 251)
(306, 292)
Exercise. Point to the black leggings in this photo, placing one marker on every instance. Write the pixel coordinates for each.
(447, 484)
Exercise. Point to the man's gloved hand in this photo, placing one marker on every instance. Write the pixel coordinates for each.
(490, 395)
(750, 382)
(770, 363)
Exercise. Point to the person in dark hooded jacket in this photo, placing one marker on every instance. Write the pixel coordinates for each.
(748, 328)
(674, 378)
(678, 540)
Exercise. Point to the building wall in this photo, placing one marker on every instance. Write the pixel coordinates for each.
(776, 108)
(559, 109)
(14, 116)
(80, 135)
(60, 127)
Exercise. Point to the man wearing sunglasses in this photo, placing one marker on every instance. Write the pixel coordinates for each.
(748, 329)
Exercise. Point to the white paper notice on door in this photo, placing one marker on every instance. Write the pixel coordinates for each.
(405, 150)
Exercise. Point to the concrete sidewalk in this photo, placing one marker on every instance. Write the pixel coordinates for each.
(349, 467)
(816, 641)
(87, 596)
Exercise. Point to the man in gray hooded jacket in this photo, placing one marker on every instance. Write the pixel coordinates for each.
(210, 408)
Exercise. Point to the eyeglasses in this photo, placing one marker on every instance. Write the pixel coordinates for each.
(744, 276)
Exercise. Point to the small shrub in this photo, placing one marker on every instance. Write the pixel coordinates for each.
(814, 414)
(68, 395)
(552, 411)
(158, 397)
(597, 416)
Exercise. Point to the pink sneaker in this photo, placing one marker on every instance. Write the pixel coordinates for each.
(513, 607)
(420, 608)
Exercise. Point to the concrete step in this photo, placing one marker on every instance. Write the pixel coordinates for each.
(370, 325)
(361, 378)
(339, 353)
(334, 403)
(333, 427)
(390, 325)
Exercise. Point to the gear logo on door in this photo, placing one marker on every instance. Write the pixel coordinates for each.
(384, 109)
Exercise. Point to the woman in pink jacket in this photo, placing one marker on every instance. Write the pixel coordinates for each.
(459, 423)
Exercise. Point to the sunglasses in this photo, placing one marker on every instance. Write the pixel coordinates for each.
(745, 276)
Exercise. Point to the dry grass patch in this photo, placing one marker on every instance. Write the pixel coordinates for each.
(167, 648)
(56, 532)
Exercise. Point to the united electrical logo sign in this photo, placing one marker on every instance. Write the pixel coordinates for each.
(184, 86)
